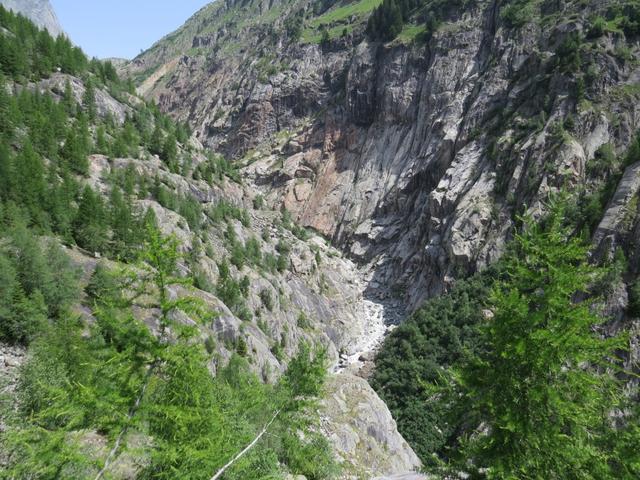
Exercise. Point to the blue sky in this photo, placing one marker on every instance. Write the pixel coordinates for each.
(118, 28)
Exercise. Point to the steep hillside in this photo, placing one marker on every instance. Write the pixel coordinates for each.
(39, 12)
(149, 258)
(415, 154)
(419, 137)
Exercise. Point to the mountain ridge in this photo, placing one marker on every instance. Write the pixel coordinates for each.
(424, 113)
(41, 12)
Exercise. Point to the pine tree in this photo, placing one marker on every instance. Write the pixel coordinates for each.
(61, 202)
(29, 174)
(156, 142)
(170, 152)
(90, 224)
(74, 152)
(6, 172)
(102, 145)
(89, 100)
(542, 384)
(68, 99)
(9, 287)
(6, 117)
(125, 225)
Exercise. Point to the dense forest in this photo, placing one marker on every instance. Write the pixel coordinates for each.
(90, 389)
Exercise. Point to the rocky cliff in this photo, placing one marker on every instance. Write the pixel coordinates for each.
(39, 12)
(415, 155)
(283, 286)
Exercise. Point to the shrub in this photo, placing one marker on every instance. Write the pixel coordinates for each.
(517, 13)
(267, 299)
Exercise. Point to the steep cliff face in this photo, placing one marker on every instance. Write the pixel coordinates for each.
(39, 12)
(270, 285)
(413, 156)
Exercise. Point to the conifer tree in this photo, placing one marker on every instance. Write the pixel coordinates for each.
(6, 172)
(156, 142)
(89, 100)
(6, 120)
(68, 99)
(74, 151)
(102, 144)
(542, 384)
(90, 224)
(29, 174)
(170, 152)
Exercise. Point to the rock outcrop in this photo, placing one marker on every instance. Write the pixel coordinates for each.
(39, 12)
(414, 157)
(364, 435)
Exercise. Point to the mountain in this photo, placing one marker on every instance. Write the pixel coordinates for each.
(98, 187)
(320, 239)
(415, 136)
(39, 12)
(413, 155)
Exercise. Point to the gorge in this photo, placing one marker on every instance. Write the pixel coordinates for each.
(332, 173)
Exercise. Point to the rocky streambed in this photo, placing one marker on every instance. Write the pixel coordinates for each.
(354, 419)
(378, 315)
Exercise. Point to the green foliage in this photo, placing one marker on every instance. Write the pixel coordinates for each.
(37, 282)
(597, 28)
(258, 202)
(267, 299)
(117, 376)
(90, 226)
(438, 335)
(517, 13)
(215, 169)
(536, 385)
(48, 194)
(604, 161)
(293, 25)
(224, 211)
(29, 53)
(325, 39)
(288, 223)
(568, 54)
(386, 21)
(229, 290)
(634, 299)
(185, 205)
(169, 152)
(630, 21)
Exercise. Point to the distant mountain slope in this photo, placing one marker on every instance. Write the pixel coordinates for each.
(39, 11)
(414, 154)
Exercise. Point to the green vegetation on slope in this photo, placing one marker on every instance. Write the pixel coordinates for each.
(115, 378)
(437, 336)
(525, 389)
(104, 391)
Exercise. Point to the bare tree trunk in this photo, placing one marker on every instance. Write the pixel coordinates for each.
(125, 429)
(247, 448)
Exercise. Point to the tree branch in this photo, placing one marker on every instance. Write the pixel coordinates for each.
(247, 448)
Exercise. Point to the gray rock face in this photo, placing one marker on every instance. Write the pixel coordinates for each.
(421, 155)
(619, 216)
(364, 435)
(39, 12)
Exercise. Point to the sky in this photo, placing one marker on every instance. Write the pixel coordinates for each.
(119, 28)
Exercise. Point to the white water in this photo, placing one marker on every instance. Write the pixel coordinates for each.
(378, 318)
